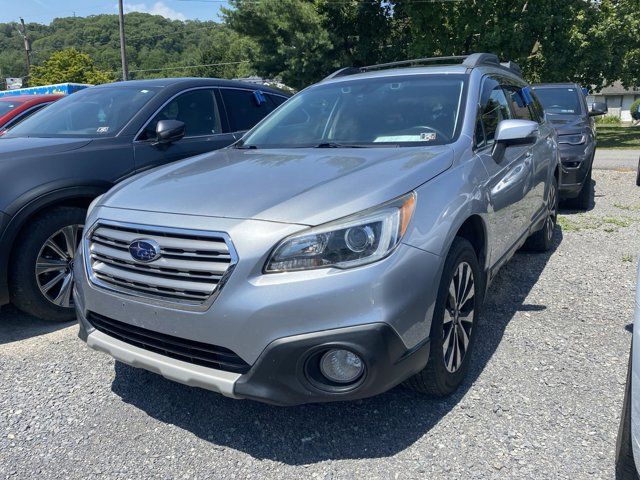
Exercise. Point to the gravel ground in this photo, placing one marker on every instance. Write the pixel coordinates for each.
(615, 159)
(542, 400)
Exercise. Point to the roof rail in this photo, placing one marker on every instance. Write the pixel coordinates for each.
(470, 61)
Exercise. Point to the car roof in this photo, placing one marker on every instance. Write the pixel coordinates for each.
(397, 72)
(189, 82)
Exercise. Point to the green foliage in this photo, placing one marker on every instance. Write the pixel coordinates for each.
(635, 110)
(226, 46)
(68, 65)
(608, 120)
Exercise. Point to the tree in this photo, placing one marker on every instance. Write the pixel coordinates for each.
(68, 65)
(226, 46)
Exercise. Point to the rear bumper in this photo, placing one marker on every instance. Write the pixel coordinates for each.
(576, 161)
(279, 376)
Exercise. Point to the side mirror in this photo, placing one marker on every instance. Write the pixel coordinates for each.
(169, 131)
(513, 132)
(598, 108)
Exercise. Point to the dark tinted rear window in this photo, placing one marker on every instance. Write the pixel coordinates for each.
(563, 101)
(245, 108)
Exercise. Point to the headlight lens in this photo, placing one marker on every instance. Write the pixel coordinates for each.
(572, 139)
(94, 203)
(349, 242)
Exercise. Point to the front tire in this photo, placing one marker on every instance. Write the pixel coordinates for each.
(583, 200)
(41, 269)
(638, 175)
(542, 240)
(454, 324)
(625, 464)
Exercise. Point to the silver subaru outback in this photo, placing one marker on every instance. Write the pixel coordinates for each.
(342, 246)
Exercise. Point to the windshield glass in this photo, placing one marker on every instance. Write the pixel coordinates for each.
(559, 100)
(403, 111)
(7, 105)
(91, 113)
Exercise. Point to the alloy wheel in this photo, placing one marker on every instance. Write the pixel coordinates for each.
(54, 265)
(458, 317)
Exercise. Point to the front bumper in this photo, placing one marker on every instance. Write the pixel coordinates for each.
(576, 161)
(279, 376)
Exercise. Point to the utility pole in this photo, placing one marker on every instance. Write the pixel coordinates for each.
(123, 51)
(27, 50)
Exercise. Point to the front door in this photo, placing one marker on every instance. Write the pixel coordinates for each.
(198, 109)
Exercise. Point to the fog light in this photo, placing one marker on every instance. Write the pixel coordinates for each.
(341, 366)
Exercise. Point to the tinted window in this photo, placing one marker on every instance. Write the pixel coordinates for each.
(7, 106)
(559, 100)
(24, 115)
(91, 113)
(494, 107)
(518, 103)
(400, 110)
(276, 99)
(197, 109)
(245, 108)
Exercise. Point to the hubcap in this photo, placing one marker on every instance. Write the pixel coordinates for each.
(54, 266)
(553, 211)
(458, 317)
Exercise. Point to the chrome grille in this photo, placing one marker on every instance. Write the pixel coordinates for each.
(190, 268)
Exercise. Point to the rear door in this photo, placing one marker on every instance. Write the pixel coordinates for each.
(245, 107)
(206, 129)
(510, 175)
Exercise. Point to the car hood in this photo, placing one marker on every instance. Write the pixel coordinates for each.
(568, 124)
(304, 186)
(13, 149)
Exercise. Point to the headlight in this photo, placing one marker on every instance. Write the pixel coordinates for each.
(572, 139)
(349, 242)
(94, 203)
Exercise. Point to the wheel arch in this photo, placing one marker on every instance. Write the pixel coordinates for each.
(474, 230)
(33, 203)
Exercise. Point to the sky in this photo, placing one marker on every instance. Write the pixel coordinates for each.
(43, 11)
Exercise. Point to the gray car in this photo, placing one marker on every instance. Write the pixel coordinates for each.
(342, 246)
(566, 108)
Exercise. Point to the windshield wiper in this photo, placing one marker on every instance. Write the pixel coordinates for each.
(337, 145)
(242, 146)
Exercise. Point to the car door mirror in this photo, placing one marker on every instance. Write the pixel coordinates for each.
(513, 132)
(169, 131)
(598, 108)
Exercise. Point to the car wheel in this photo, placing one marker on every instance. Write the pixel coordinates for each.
(542, 240)
(583, 200)
(625, 464)
(41, 270)
(454, 324)
(638, 175)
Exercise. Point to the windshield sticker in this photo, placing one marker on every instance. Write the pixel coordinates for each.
(102, 129)
(428, 136)
(423, 137)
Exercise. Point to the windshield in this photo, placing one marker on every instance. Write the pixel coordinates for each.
(7, 105)
(559, 100)
(403, 111)
(91, 113)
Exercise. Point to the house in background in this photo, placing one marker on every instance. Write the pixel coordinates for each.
(618, 98)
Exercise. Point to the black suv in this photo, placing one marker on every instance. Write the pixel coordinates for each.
(566, 108)
(56, 162)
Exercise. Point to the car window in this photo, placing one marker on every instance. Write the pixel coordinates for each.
(245, 108)
(7, 105)
(494, 107)
(519, 103)
(276, 99)
(556, 100)
(196, 108)
(94, 112)
(407, 110)
(24, 115)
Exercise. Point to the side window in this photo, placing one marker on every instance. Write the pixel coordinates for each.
(276, 99)
(494, 107)
(197, 109)
(537, 107)
(24, 115)
(245, 108)
(520, 104)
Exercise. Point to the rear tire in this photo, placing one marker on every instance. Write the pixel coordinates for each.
(454, 321)
(41, 268)
(583, 200)
(542, 240)
(625, 464)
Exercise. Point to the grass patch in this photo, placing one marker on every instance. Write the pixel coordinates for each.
(627, 258)
(588, 222)
(610, 136)
(627, 208)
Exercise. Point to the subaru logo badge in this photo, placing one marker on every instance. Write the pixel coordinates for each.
(144, 250)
